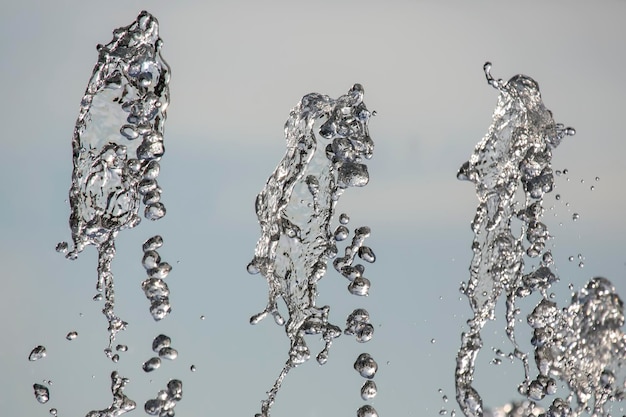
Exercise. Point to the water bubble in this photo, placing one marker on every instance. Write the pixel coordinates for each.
(41, 393)
(37, 353)
(366, 366)
(368, 390)
(151, 364)
(71, 335)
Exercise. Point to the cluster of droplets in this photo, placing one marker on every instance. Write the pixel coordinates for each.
(295, 210)
(154, 287)
(165, 401)
(117, 143)
(162, 346)
(358, 322)
(516, 151)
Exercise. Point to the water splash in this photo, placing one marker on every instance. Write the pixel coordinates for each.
(117, 143)
(516, 151)
(121, 403)
(165, 401)
(295, 210)
(582, 344)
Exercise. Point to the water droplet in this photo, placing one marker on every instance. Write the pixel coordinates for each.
(581, 264)
(121, 348)
(37, 353)
(152, 244)
(432, 341)
(366, 411)
(61, 247)
(192, 368)
(202, 317)
(151, 364)
(41, 393)
(97, 297)
(368, 390)
(160, 342)
(71, 335)
(366, 366)
(575, 216)
(359, 286)
(53, 411)
(168, 353)
(344, 218)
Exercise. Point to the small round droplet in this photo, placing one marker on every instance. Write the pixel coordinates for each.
(154, 243)
(151, 364)
(581, 265)
(366, 411)
(575, 216)
(432, 341)
(97, 297)
(72, 335)
(192, 368)
(366, 366)
(41, 393)
(252, 268)
(37, 353)
(344, 218)
(160, 342)
(121, 348)
(368, 390)
(53, 411)
(168, 353)
(359, 286)
(202, 317)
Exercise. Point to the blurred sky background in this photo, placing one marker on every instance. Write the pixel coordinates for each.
(237, 69)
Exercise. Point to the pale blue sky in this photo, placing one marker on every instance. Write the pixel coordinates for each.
(237, 70)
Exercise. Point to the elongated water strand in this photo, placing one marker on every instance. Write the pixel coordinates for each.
(117, 142)
(516, 151)
(295, 210)
(121, 403)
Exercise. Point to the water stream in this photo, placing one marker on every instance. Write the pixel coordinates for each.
(582, 344)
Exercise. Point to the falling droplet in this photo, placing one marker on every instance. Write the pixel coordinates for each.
(575, 216)
(53, 412)
(41, 393)
(192, 368)
(160, 342)
(366, 411)
(37, 353)
(366, 366)
(72, 335)
(168, 353)
(151, 364)
(368, 390)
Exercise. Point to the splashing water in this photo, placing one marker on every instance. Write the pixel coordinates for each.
(117, 143)
(121, 403)
(582, 345)
(295, 210)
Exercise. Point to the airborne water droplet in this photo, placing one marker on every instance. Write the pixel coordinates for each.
(71, 335)
(366, 411)
(41, 393)
(37, 353)
(151, 364)
(160, 342)
(366, 366)
(368, 390)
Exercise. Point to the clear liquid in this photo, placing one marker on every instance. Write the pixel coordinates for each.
(581, 345)
(295, 210)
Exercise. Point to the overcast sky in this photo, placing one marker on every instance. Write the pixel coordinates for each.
(237, 70)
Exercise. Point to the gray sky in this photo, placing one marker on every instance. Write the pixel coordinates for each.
(237, 70)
